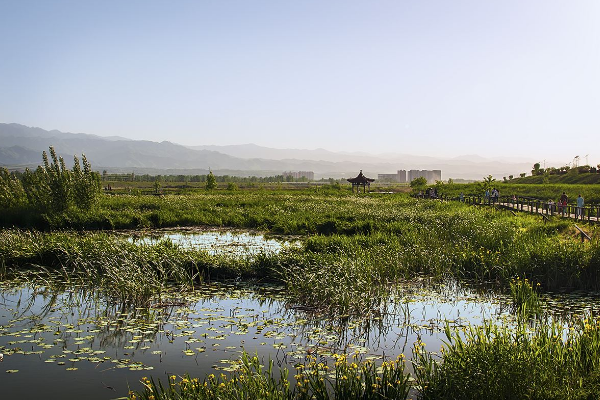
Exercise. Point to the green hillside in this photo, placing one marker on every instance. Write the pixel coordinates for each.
(571, 177)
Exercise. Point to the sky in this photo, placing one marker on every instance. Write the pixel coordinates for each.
(508, 78)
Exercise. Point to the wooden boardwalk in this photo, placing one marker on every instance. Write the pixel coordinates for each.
(590, 214)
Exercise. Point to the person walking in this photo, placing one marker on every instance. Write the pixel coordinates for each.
(579, 212)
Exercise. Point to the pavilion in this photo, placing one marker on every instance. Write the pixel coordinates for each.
(360, 180)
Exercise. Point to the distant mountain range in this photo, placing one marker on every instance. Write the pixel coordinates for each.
(21, 146)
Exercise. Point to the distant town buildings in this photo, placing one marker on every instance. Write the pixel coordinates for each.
(403, 176)
(310, 175)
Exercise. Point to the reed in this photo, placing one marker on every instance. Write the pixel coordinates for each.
(546, 361)
(526, 301)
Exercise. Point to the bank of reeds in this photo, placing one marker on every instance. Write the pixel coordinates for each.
(336, 274)
(544, 361)
(128, 270)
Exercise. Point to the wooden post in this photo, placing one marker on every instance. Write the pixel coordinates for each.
(589, 210)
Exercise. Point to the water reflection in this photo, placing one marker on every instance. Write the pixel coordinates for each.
(79, 342)
(236, 243)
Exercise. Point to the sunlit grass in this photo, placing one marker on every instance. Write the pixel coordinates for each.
(546, 361)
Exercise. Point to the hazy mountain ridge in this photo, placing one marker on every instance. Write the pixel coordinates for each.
(21, 145)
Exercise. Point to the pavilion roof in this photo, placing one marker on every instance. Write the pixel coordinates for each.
(360, 178)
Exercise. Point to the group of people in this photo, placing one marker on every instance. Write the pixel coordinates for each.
(430, 193)
(492, 196)
(562, 204)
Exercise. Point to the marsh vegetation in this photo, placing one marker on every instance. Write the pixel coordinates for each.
(350, 266)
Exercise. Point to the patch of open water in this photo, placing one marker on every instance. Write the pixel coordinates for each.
(237, 243)
(74, 343)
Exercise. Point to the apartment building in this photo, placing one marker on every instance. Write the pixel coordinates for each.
(403, 176)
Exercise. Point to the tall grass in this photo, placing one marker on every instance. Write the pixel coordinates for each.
(525, 298)
(548, 361)
(129, 271)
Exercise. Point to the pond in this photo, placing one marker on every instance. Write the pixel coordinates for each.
(73, 342)
(60, 340)
(214, 241)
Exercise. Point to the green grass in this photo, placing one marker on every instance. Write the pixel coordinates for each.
(546, 361)
(526, 301)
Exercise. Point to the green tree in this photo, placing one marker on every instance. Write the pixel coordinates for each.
(536, 169)
(49, 187)
(54, 188)
(418, 183)
(489, 180)
(86, 183)
(211, 181)
(11, 191)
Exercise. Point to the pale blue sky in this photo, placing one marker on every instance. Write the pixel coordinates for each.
(445, 78)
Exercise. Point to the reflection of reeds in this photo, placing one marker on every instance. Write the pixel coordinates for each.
(81, 304)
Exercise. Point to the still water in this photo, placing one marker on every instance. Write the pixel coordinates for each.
(77, 343)
(236, 243)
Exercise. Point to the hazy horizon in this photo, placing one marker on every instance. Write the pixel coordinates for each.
(444, 79)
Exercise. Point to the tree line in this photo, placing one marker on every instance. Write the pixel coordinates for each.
(132, 177)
